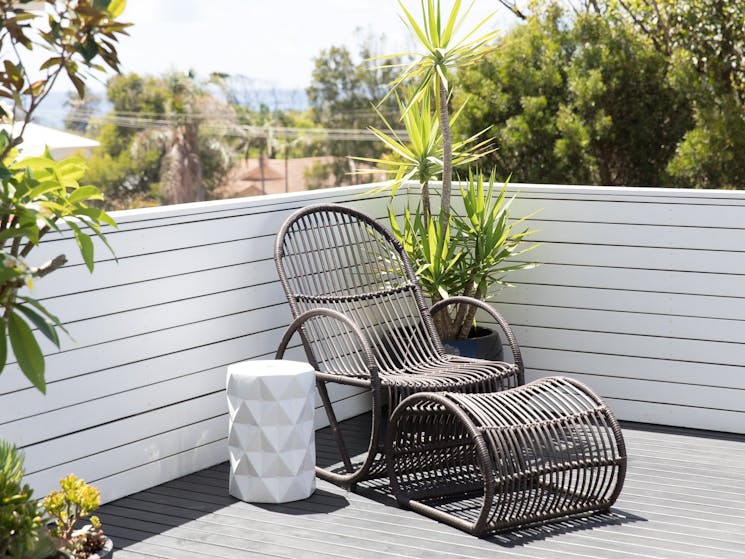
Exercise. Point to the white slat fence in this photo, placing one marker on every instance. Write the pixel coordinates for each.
(639, 294)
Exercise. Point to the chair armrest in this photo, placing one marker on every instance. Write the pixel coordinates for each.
(511, 340)
(333, 316)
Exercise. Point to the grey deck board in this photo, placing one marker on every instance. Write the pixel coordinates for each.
(684, 498)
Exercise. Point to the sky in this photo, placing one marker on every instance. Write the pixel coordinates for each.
(270, 41)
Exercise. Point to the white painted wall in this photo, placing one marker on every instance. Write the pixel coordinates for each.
(138, 397)
(639, 295)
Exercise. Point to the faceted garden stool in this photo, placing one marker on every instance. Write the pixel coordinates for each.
(489, 462)
(271, 438)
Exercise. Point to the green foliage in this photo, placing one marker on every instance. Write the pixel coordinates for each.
(342, 94)
(420, 157)
(183, 159)
(452, 254)
(706, 36)
(632, 92)
(317, 175)
(21, 519)
(431, 251)
(703, 42)
(710, 154)
(444, 49)
(75, 501)
(78, 35)
(490, 236)
(38, 194)
(470, 255)
(576, 101)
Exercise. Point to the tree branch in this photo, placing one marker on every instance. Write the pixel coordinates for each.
(49, 267)
(512, 6)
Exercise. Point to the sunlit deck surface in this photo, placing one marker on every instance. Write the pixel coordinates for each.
(684, 498)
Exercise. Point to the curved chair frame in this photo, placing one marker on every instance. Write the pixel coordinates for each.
(311, 233)
(545, 450)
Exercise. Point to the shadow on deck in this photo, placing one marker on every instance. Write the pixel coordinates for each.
(684, 497)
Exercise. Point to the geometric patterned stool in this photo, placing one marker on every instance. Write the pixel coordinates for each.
(271, 438)
(489, 462)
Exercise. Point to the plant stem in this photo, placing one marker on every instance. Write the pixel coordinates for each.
(29, 245)
(447, 154)
(50, 266)
(426, 208)
(460, 324)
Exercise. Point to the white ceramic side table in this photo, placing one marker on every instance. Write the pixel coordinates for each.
(271, 437)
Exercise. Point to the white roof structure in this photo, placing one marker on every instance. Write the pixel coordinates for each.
(61, 144)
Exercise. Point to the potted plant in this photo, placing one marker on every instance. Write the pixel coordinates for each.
(67, 508)
(38, 194)
(22, 533)
(454, 253)
(48, 529)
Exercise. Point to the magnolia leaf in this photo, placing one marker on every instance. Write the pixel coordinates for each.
(85, 244)
(27, 351)
(86, 248)
(44, 325)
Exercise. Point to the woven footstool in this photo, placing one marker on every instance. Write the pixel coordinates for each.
(491, 462)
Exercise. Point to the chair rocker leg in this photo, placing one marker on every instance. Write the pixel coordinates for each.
(334, 425)
(354, 472)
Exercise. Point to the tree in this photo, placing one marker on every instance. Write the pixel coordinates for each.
(518, 90)
(162, 142)
(704, 44)
(577, 100)
(39, 194)
(443, 51)
(452, 254)
(342, 94)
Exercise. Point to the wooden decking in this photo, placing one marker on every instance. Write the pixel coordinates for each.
(684, 498)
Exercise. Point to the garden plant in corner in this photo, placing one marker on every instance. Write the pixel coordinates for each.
(39, 195)
(455, 253)
(48, 528)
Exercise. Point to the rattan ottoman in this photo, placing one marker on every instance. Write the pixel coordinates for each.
(491, 462)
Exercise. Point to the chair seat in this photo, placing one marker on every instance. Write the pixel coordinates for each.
(452, 373)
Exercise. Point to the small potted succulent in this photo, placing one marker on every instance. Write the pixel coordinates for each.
(67, 508)
(47, 529)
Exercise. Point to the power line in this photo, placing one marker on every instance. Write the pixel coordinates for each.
(227, 127)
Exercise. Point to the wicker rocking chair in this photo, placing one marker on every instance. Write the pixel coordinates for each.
(363, 321)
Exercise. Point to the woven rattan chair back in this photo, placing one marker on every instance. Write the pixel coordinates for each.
(337, 258)
(363, 321)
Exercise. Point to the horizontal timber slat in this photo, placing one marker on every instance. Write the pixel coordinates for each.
(639, 295)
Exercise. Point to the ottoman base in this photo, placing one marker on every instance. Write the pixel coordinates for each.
(491, 462)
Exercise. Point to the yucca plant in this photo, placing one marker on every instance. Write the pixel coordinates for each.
(453, 254)
(444, 48)
(470, 255)
(490, 242)
(420, 156)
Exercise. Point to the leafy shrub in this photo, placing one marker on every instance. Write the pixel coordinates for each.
(21, 519)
